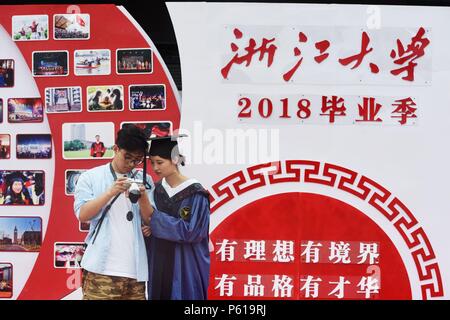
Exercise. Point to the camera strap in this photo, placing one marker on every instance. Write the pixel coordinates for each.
(106, 209)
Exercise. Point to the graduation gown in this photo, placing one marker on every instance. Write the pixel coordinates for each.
(177, 250)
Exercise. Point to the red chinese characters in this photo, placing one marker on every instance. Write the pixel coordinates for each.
(405, 109)
(368, 111)
(404, 56)
(298, 53)
(408, 56)
(323, 109)
(266, 48)
(333, 107)
(358, 58)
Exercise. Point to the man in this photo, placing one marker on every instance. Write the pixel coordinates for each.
(115, 260)
(97, 148)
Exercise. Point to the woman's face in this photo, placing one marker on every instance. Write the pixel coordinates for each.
(17, 187)
(162, 167)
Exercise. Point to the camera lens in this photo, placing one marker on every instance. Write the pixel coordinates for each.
(134, 192)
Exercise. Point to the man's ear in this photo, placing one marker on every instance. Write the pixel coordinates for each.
(115, 148)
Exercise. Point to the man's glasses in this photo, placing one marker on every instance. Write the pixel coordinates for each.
(133, 161)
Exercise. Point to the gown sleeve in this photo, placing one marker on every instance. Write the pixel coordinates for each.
(176, 229)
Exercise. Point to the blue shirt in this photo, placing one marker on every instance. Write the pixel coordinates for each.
(91, 185)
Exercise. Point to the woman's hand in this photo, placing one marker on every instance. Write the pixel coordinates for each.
(146, 231)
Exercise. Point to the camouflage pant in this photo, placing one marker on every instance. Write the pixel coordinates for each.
(100, 287)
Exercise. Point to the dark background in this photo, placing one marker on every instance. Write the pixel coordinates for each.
(154, 18)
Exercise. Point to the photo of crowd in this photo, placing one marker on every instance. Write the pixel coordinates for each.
(68, 255)
(71, 26)
(147, 97)
(34, 146)
(25, 110)
(66, 99)
(134, 61)
(26, 28)
(50, 63)
(6, 280)
(5, 146)
(20, 234)
(6, 73)
(22, 188)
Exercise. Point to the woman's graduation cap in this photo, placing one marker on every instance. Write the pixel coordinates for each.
(164, 147)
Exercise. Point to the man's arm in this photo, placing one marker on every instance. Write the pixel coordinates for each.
(91, 208)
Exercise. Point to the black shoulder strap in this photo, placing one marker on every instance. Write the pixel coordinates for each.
(106, 209)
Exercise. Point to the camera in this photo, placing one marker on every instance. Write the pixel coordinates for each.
(133, 190)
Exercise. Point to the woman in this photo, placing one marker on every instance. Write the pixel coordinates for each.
(177, 248)
(94, 102)
(17, 193)
(117, 104)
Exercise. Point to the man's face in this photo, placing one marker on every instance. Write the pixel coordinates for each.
(127, 160)
(97, 138)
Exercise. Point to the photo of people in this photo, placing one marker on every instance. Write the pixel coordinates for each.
(50, 63)
(6, 73)
(68, 255)
(24, 110)
(5, 146)
(92, 62)
(152, 129)
(84, 226)
(147, 97)
(71, 26)
(6, 280)
(66, 99)
(23, 188)
(134, 61)
(29, 28)
(90, 140)
(105, 98)
(72, 176)
(20, 234)
(33, 146)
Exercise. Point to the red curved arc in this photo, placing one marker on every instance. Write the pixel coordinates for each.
(117, 32)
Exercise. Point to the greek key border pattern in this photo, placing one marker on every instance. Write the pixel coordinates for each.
(306, 171)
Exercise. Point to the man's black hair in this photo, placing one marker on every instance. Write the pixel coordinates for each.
(132, 139)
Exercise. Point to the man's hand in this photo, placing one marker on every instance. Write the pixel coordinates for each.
(93, 207)
(119, 186)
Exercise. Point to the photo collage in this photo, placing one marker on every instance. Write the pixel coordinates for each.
(25, 186)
